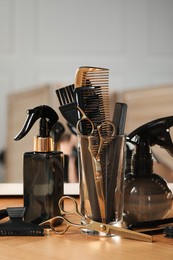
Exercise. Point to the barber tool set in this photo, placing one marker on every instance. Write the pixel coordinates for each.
(100, 141)
(114, 199)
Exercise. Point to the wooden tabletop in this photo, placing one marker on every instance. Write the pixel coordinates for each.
(75, 245)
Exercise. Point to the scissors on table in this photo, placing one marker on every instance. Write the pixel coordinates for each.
(89, 224)
(102, 134)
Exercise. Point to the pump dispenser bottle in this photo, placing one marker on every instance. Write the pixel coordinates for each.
(146, 194)
(42, 169)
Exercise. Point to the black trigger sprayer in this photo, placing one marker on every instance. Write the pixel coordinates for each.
(43, 168)
(147, 196)
(50, 130)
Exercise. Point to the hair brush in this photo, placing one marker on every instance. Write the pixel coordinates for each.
(67, 104)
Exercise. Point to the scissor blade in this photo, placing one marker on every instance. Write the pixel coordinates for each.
(129, 234)
(125, 233)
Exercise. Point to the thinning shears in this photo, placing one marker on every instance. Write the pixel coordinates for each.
(101, 135)
(87, 223)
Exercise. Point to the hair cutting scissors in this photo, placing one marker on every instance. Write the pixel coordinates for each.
(87, 223)
(105, 129)
(97, 139)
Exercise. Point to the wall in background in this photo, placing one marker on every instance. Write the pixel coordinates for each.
(45, 41)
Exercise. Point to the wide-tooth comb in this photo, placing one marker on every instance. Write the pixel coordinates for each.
(94, 76)
(67, 105)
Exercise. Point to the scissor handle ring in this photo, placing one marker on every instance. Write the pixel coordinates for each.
(86, 119)
(107, 123)
(61, 205)
(55, 230)
(78, 127)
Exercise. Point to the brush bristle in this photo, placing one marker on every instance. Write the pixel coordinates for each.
(65, 95)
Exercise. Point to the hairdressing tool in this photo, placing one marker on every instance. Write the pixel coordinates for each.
(117, 161)
(95, 154)
(67, 104)
(67, 99)
(94, 99)
(103, 137)
(92, 96)
(88, 194)
(119, 117)
(87, 223)
(95, 76)
(17, 227)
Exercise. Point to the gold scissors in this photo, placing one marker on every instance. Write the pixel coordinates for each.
(87, 223)
(105, 131)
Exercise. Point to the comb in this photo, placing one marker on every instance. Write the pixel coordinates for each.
(86, 75)
(67, 104)
(17, 227)
(94, 101)
(119, 117)
(116, 161)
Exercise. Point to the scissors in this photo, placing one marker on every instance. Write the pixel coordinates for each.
(88, 223)
(106, 130)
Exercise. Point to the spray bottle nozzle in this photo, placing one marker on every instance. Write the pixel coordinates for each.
(155, 132)
(48, 118)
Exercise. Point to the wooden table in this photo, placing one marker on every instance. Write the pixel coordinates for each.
(74, 245)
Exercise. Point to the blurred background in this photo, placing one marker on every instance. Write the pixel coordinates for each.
(43, 42)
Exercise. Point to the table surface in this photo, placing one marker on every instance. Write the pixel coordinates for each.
(75, 245)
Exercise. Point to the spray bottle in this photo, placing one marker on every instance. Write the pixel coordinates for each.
(146, 194)
(42, 168)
